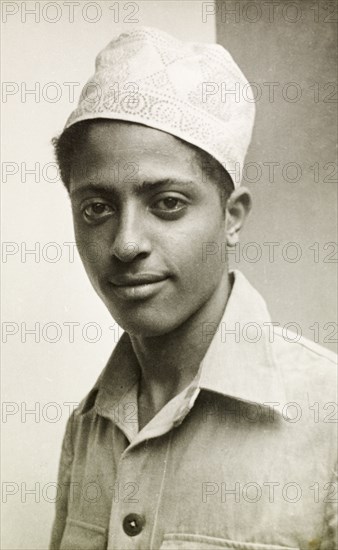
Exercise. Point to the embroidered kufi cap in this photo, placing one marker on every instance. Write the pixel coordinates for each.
(194, 91)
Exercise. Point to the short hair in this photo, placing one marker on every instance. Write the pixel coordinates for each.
(72, 139)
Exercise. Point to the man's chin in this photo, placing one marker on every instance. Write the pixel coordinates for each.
(146, 324)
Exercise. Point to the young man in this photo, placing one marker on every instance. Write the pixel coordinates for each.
(192, 438)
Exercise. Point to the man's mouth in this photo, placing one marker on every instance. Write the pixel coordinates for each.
(138, 286)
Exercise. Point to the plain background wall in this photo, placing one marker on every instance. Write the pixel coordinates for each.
(294, 46)
(36, 290)
(45, 376)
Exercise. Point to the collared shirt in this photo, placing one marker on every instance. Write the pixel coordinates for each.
(243, 458)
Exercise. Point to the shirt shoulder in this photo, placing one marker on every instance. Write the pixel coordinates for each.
(290, 342)
(304, 365)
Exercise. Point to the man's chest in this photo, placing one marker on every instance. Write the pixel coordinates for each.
(216, 480)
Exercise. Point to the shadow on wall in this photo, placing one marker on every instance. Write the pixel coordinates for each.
(287, 51)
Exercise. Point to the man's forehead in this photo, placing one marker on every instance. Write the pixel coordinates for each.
(115, 154)
(112, 163)
(108, 142)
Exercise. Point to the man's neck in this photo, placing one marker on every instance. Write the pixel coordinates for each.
(171, 361)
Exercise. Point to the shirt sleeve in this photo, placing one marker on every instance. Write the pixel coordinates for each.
(330, 534)
(63, 487)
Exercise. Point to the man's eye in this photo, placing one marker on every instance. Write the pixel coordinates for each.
(169, 204)
(97, 211)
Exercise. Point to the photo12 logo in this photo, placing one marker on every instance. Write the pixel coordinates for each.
(270, 11)
(70, 12)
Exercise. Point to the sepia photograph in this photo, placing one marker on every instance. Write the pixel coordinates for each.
(169, 279)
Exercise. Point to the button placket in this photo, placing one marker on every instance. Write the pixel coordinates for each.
(127, 513)
(133, 514)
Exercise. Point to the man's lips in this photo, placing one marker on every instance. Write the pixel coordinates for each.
(137, 279)
(139, 286)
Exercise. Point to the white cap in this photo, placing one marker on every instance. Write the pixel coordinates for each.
(148, 77)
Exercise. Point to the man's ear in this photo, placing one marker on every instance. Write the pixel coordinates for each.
(238, 207)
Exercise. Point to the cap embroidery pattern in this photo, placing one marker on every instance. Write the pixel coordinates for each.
(148, 77)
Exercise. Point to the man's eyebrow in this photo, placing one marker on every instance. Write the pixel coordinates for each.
(103, 188)
(144, 186)
(150, 185)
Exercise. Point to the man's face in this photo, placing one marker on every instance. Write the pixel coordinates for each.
(139, 199)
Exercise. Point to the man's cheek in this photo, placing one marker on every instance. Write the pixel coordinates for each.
(204, 252)
(91, 248)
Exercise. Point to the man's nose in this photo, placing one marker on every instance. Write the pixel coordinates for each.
(131, 239)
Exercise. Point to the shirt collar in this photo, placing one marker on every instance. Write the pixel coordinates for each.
(239, 362)
(115, 383)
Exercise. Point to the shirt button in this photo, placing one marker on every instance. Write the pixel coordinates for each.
(133, 524)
